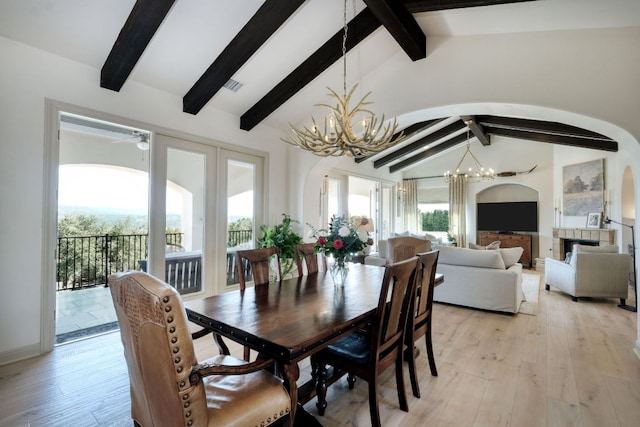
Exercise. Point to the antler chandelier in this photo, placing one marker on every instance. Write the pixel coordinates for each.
(338, 135)
(475, 174)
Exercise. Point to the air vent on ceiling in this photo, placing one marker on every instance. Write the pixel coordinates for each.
(233, 85)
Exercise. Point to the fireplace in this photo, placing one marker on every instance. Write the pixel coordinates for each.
(565, 238)
(568, 243)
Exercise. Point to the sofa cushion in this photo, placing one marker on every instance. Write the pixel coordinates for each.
(469, 257)
(490, 246)
(510, 256)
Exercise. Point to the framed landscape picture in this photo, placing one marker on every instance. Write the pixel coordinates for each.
(583, 188)
(594, 219)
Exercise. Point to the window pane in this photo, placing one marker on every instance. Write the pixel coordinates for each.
(240, 213)
(184, 220)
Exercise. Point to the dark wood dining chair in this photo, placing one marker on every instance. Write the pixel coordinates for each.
(367, 353)
(420, 323)
(306, 252)
(258, 262)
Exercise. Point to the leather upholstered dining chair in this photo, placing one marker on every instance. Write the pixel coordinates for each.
(419, 324)
(307, 252)
(258, 261)
(168, 385)
(367, 353)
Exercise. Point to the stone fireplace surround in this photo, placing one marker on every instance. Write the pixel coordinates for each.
(564, 237)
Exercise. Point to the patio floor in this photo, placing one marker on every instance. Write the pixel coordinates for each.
(84, 312)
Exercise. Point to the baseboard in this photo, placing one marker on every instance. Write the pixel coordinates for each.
(22, 353)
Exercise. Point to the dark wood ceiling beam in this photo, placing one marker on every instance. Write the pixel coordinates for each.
(417, 6)
(423, 155)
(555, 139)
(401, 25)
(420, 143)
(539, 126)
(141, 25)
(359, 28)
(266, 21)
(477, 130)
(408, 132)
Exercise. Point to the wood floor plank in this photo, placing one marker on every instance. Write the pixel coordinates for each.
(530, 403)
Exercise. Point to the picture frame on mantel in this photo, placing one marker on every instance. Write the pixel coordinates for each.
(594, 220)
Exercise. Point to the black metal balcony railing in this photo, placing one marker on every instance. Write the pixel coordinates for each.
(238, 237)
(89, 260)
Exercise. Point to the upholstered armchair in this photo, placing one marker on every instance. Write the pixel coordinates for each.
(168, 385)
(398, 248)
(591, 271)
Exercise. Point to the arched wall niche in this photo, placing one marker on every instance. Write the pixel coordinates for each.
(509, 193)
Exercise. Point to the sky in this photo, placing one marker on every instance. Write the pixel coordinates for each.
(108, 187)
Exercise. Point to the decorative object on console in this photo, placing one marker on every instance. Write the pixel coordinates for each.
(491, 246)
(594, 220)
(583, 188)
(476, 173)
(339, 136)
(633, 259)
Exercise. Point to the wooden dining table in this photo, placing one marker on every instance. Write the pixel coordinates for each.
(290, 320)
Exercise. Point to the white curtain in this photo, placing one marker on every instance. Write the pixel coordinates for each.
(457, 209)
(411, 214)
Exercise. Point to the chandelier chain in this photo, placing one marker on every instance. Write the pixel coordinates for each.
(346, 131)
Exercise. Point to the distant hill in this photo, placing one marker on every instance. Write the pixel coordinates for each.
(113, 216)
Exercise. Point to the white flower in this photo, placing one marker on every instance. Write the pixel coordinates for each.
(344, 231)
(363, 236)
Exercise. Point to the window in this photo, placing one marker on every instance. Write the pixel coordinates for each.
(433, 205)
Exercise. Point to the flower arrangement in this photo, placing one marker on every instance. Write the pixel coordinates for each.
(341, 239)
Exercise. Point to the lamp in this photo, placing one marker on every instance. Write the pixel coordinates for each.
(364, 225)
(339, 135)
(472, 175)
(633, 255)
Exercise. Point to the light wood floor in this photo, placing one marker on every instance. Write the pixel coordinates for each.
(571, 365)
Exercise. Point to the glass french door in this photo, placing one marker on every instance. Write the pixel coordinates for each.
(241, 208)
(182, 214)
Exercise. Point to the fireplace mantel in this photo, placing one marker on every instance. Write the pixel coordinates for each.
(603, 236)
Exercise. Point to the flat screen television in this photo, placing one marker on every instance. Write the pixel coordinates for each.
(508, 216)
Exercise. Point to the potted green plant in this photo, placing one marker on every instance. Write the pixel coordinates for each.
(285, 239)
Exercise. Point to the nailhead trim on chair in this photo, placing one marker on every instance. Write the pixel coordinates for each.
(173, 339)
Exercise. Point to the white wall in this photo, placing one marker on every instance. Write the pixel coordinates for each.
(585, 78)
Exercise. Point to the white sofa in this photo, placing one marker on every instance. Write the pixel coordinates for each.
(485, 279)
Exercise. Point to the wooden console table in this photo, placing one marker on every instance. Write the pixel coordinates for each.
(510, 241)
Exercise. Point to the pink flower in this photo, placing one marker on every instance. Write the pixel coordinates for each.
(338, 244)
(364, 221)
(322, 241)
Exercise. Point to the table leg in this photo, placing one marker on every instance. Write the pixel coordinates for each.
(291, 375)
